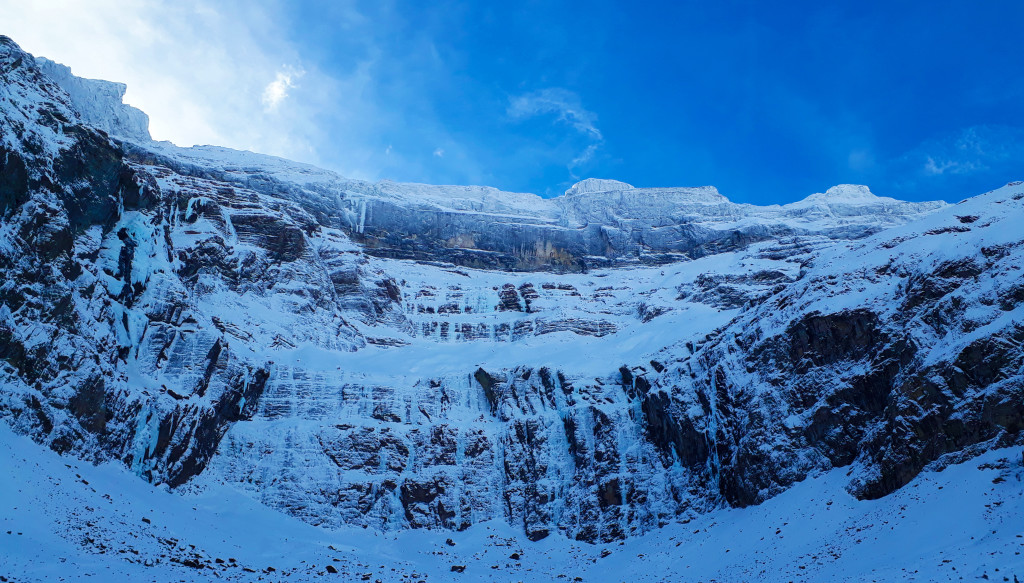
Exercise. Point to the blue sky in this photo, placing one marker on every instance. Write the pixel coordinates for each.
(767, 101)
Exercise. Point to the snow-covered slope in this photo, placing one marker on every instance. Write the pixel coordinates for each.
(66, 520)
(397, 356)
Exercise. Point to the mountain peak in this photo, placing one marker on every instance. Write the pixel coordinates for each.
(849, 192)
(100, 103)
(853, 194)
(588, 185)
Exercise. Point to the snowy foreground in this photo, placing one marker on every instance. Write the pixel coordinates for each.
(65, 520)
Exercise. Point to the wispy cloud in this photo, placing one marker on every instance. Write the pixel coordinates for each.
(584, 157)
(277, 90)
(969, 151)
(565, 104)
(567, 108)
(957, 163)
(933, 166)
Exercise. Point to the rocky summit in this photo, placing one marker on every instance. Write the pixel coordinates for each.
(403, 356)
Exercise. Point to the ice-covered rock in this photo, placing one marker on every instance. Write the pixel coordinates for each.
(486, 228)
(404, 356)
(100, 103)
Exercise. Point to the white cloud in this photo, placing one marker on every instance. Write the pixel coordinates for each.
(207, 72)
(562, 102)
(568, 109)
(277, 90)
(936, 167)
(969, 151)
(581, 160)
(234, 73)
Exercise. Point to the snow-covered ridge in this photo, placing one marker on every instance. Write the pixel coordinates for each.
(595, 222)
(99, 102)
(597, 185)
(619, 197)
(847, 193)
(844, 194)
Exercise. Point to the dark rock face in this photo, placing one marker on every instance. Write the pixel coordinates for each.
(13, 182)
(90, 171)
(67, 388)
(924, 369)
(947, 407)
(818, 340)
(672, 431)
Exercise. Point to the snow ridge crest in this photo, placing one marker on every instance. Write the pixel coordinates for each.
(100, 103)
(589, 185)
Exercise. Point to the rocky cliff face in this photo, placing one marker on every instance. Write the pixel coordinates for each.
(886, 355)
(611, 224)
(108, 344)
(98, 102)
(406, 356)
